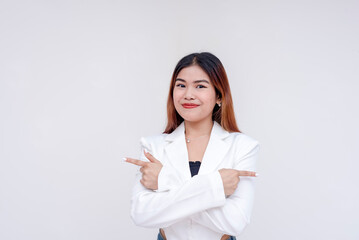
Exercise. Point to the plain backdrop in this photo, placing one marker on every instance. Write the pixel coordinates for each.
(82, 81)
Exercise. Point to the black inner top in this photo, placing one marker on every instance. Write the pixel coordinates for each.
(194, 166)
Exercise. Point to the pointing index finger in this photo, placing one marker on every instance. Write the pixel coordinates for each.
(136, 162)
(247, 173)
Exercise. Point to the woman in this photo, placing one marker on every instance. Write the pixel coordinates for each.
(196, 179)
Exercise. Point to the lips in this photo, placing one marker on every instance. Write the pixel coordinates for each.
(189, 105)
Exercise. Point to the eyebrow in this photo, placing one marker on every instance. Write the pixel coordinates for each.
(197, 81)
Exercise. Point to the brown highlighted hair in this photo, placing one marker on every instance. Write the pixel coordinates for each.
(209, 63)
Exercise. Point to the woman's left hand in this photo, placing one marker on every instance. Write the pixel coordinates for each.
(150, 170)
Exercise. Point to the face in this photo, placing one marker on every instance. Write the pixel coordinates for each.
(194, 95)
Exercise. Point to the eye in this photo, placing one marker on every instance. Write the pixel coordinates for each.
(201, 86)
(180, 85)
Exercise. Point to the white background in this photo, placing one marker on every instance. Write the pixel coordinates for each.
(82, 81)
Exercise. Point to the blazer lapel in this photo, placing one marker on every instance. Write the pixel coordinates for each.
(177, 153)
(215, 151)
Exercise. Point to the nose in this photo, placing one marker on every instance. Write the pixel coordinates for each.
(189, 94)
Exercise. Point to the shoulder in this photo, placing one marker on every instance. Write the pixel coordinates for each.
(246, 150)
(154, 140)
(243, 142)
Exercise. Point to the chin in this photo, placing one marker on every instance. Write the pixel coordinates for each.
(194, 116)
(189, 118)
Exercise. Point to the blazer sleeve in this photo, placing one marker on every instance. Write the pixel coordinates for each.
(234, 215)
(163, 208)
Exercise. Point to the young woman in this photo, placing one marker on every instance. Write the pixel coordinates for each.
(196, 179)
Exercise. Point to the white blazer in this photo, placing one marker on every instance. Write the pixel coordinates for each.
(196, 207)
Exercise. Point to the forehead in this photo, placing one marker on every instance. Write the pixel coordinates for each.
(193, 73)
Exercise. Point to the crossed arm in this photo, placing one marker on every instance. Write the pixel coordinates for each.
(202, 198)
(150, 171)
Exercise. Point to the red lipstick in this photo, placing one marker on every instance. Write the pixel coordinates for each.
(189, 105)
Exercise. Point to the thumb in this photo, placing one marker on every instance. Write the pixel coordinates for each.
(150, 157)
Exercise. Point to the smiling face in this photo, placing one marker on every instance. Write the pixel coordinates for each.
(194, 95)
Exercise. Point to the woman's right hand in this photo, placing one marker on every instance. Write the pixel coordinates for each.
(231, 177)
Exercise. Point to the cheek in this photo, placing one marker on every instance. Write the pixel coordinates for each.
(211, 104)
(176, 96)
(176, 99)
(210, 99)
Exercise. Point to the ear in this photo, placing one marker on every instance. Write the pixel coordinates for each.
(218, 100)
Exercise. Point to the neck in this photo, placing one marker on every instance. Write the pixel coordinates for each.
(196, 129)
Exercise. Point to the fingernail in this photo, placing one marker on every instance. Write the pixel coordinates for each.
(257, 174)
(124, 159)
(146, 151)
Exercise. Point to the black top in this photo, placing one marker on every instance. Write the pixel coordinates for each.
(194, 166)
